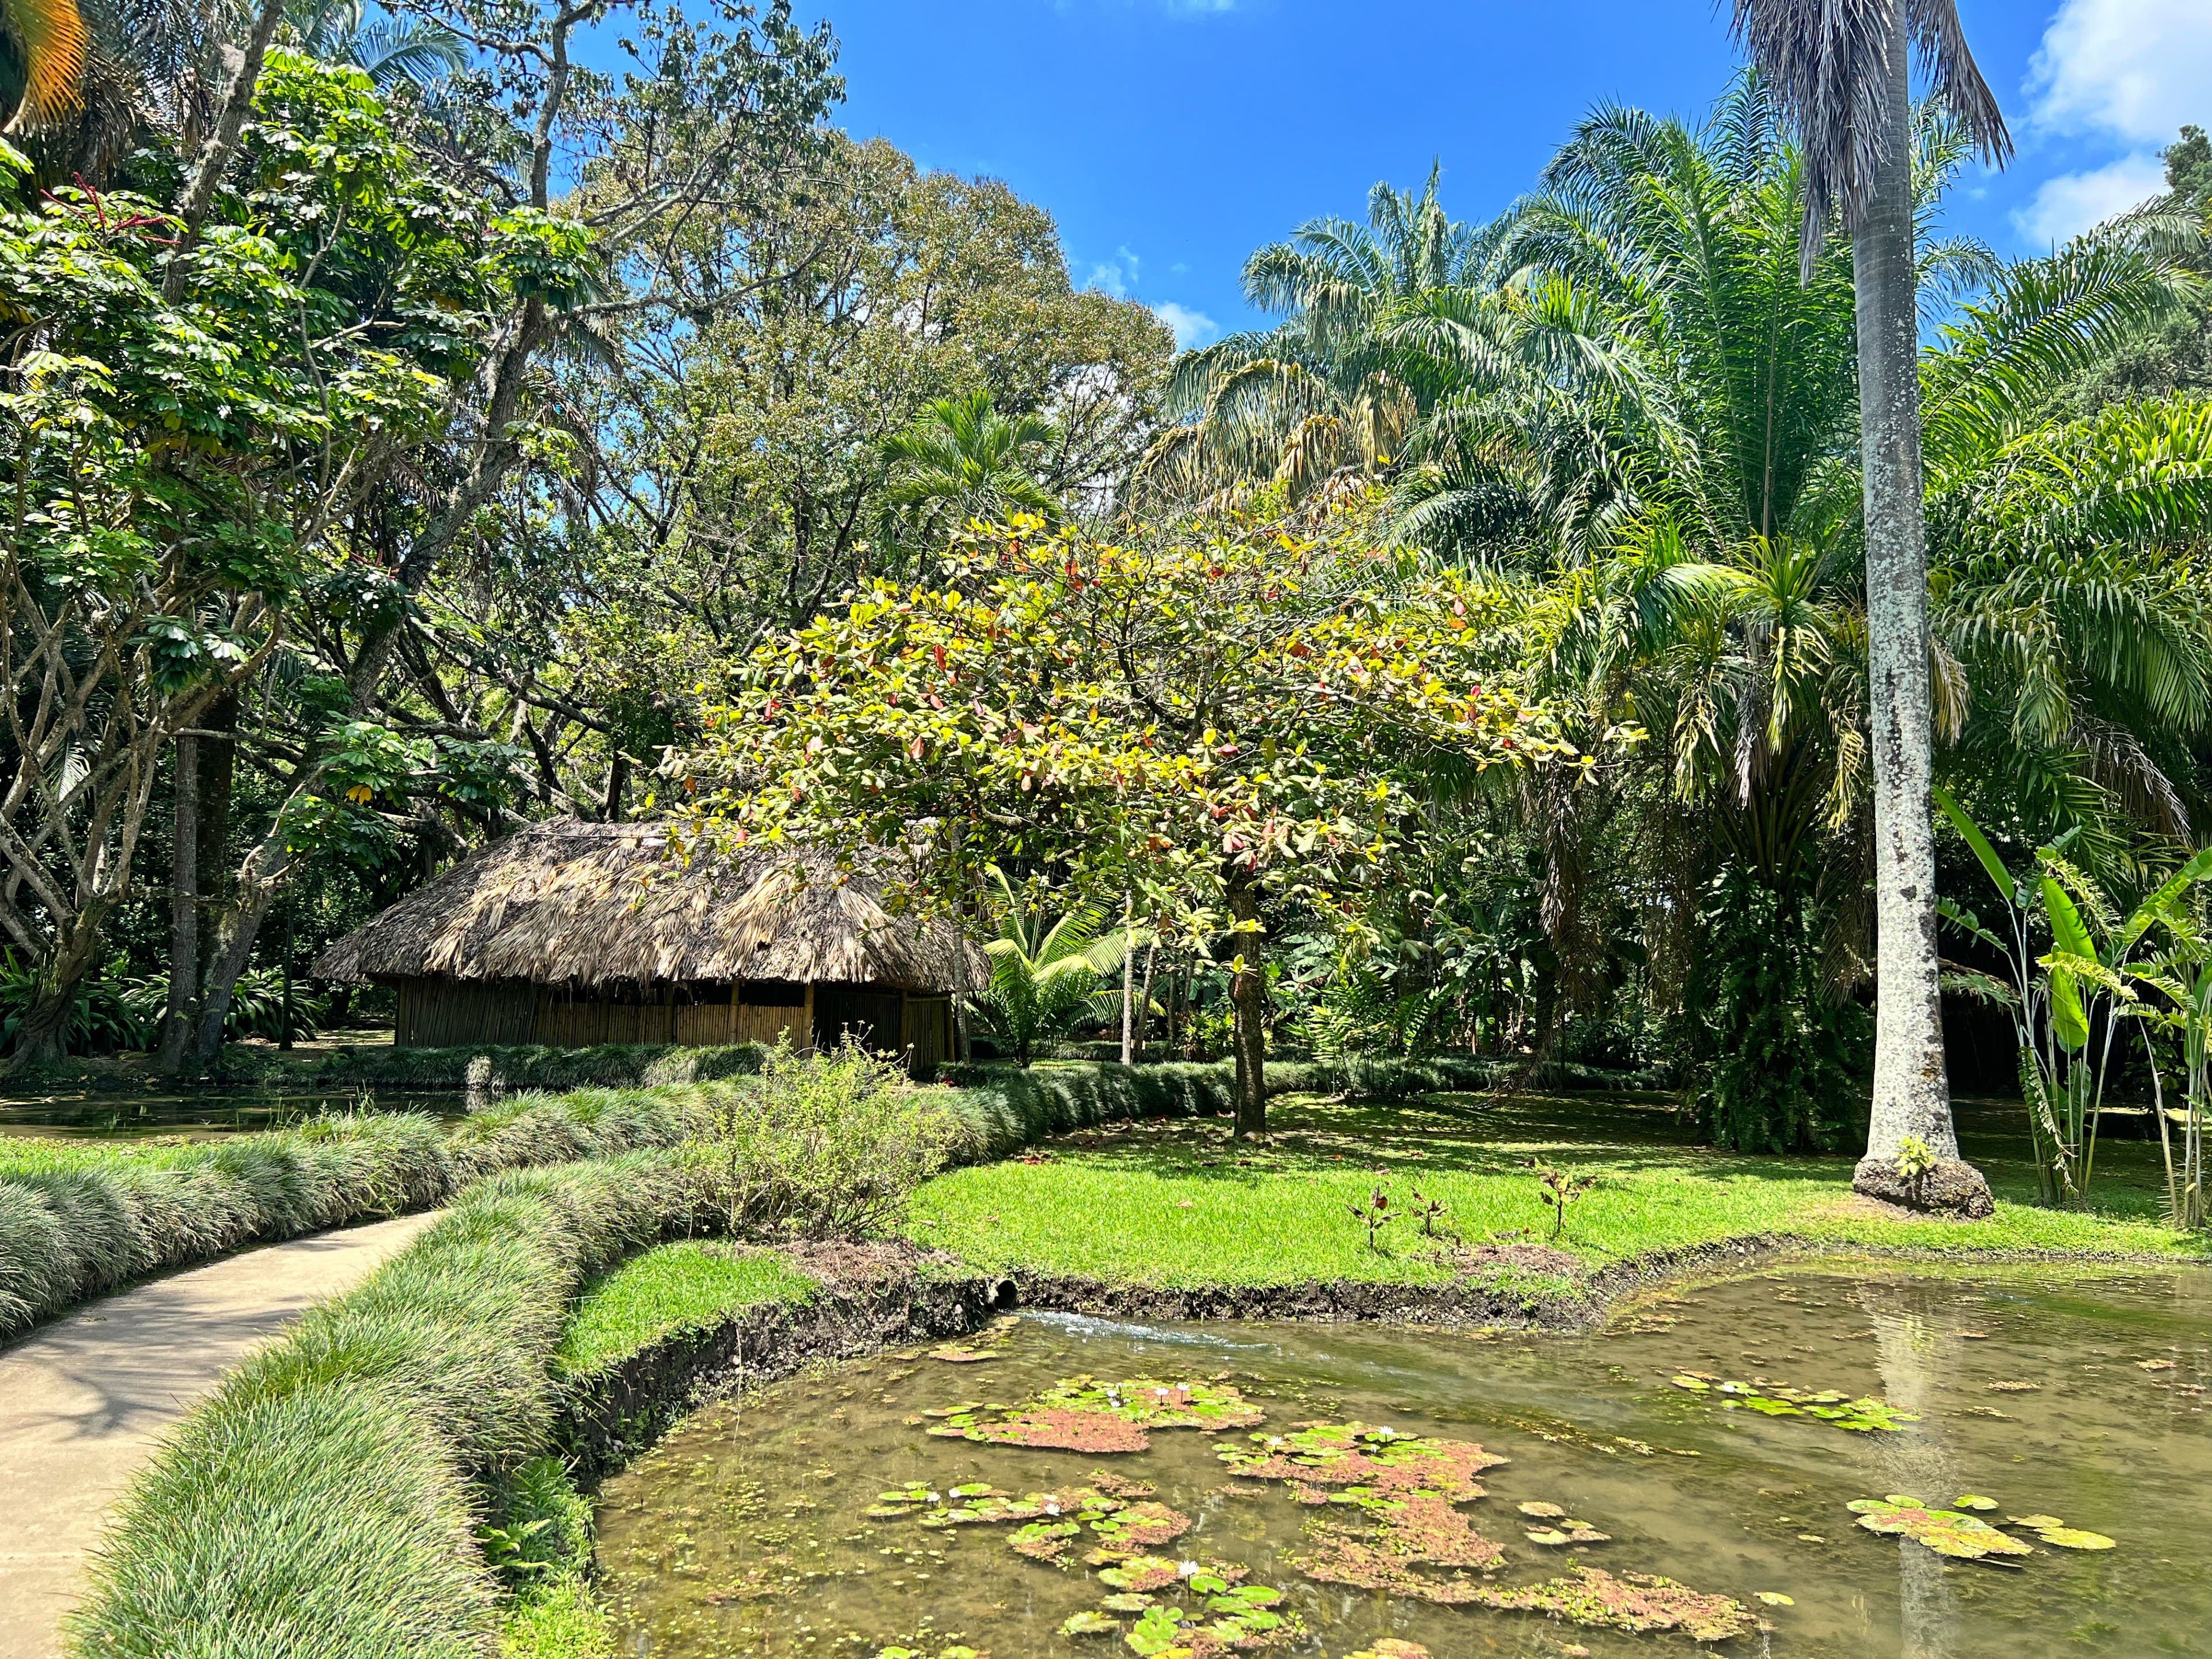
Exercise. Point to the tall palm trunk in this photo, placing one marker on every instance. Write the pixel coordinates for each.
(1911, 1096)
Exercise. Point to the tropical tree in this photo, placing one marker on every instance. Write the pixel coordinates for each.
(962, 460)
(387, 46)
(1332, 387)
(1222, 721)
(1842, 77)
(1044, 978)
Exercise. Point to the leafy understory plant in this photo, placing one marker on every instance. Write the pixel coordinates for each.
(1560, 1189)
(1914, 1160)
(1044, 980)
(2066, 1004)
(1428, 1211)
(1374, 1214)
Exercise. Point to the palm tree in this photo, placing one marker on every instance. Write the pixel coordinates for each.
(386, 47)
(49, 44)
(1841, 73)
(1332, 387)
(963, 460)
(1044, 979)
(1680, 450)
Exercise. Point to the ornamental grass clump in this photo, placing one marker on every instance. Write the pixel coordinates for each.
(324, 1501)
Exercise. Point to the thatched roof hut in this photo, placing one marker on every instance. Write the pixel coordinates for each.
(568, 933)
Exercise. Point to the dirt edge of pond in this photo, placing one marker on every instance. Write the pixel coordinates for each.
(869, 1299)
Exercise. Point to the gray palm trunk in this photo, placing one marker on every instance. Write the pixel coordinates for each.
(1911, 1094)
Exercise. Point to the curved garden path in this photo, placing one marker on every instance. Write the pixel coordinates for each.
(84, 1400)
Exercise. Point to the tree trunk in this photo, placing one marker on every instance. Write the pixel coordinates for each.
(233, 948)
(1912, 1095)
(1128, 987)
(1248, 996)
(1145, 1000)
(39, 1037)
(218, 764)
(183, 912)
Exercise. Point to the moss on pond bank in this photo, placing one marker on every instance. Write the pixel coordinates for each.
(1178, 1205)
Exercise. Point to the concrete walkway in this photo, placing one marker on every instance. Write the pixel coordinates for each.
(84, 1401)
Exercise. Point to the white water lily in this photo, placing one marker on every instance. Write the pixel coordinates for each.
(1184, 1569)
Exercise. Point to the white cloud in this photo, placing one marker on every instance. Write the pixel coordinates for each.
(2136, 69)
(1117, 275)
(1192, 328)
(2070, 204)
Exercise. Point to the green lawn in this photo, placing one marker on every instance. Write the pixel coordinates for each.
(677, 1287)
(1177, 1203)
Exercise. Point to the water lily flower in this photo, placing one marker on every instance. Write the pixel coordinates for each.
(1184, 1569)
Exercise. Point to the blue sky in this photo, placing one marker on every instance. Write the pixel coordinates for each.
(1170, 137)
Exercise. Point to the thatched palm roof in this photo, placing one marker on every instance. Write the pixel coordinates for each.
(566, 902)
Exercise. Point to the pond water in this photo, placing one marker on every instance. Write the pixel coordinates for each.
(201, 1113)
(2070, 1396)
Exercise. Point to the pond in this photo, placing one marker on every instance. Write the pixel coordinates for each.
(820, 1515)
(201, 1113)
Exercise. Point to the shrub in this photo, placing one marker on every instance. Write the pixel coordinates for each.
(319, 1503)
(1784, 1059)
(829, 1141)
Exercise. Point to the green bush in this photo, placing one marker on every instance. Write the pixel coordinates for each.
(1784, 1060)
(828, 1142)
(78, 1219)
(322, 1502)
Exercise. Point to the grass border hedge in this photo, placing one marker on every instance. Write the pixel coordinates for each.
(78, 1219)
(324, 1501)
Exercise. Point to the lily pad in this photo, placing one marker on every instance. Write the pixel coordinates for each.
(1134, 1528)
(1391, 1648)
(1088, 1624)
(1864, 1415)
(1973, 1501)
(1081, 1414)
(1777, 1599)
(1636, 1602)
(1126, 1601)
(2051, 1530)
(1320, 1455)
(2073, 1538)
(1158, 1631)
(1144, 1574)
(1947, 1532)
(953, 1354)
(1569, 1532)
(1540, 1511)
